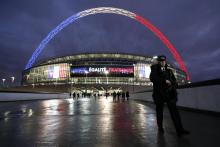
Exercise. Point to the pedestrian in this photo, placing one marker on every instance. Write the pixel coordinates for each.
(114, 96)
(94, 95)
(118, 95)
(127, 95)
(164, 91)
(74, 95)
(123, 96)
(106, 95)
(70, 94)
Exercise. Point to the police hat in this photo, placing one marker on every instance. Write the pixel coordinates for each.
(161, 58)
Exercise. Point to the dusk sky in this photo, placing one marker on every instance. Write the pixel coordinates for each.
(192, 26)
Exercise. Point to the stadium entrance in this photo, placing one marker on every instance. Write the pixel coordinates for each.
(95, 91)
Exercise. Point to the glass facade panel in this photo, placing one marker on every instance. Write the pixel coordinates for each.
(142, 71)
(47, 73)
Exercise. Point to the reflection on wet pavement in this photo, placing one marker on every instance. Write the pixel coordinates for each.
(100, 122)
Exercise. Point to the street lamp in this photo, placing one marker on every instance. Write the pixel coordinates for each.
(106, 74)
(12, 80)
(86, 76)
(71, 85)
(86, 80)
(155, 57)
(3, 82)
(33, 80)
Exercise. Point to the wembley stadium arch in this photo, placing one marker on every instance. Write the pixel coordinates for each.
(112, 10)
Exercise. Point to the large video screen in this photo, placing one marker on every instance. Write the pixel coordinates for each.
(102, 71)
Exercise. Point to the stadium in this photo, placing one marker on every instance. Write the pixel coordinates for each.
(95, 72)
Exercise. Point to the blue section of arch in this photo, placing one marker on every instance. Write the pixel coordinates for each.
(49, 37)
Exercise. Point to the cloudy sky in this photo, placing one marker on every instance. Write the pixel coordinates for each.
(192, 26)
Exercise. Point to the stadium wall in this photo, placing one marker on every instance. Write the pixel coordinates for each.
(19, 96)
(199, 98)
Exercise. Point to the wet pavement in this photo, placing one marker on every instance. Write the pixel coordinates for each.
(100, 123)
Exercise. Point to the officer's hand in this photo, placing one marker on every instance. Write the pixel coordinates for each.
(168, 82)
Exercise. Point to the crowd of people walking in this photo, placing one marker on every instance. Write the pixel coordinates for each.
(120, 95)
(117, 96)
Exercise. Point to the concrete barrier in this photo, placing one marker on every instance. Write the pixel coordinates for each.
(17, 96)
(201, 98)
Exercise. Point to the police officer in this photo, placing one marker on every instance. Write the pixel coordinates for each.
(164, 91)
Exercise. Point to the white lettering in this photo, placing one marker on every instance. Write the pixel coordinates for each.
(92, 69)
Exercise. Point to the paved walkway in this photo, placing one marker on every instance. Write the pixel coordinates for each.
(99, 123)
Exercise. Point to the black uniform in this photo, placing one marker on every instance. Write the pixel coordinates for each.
(162, 93)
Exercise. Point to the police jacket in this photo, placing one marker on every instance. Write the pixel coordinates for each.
(161, 90)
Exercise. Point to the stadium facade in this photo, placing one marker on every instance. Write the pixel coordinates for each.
(95, 69)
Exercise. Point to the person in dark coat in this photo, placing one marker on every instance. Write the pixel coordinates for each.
(74, 95)
(70, 94)
(118, 95)
(164, 91)
(123, 96)
(127, 95)
(114, 96)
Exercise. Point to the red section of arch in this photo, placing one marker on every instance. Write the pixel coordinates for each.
(166, 42)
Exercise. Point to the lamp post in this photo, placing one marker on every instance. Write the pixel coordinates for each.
(71, 85)
(86, 81)
(3, 82)
(33, 81)
(86, 77)
(27, 79)
(106, 74)
(12, 80)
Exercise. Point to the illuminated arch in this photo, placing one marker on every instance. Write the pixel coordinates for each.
(118, 11)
